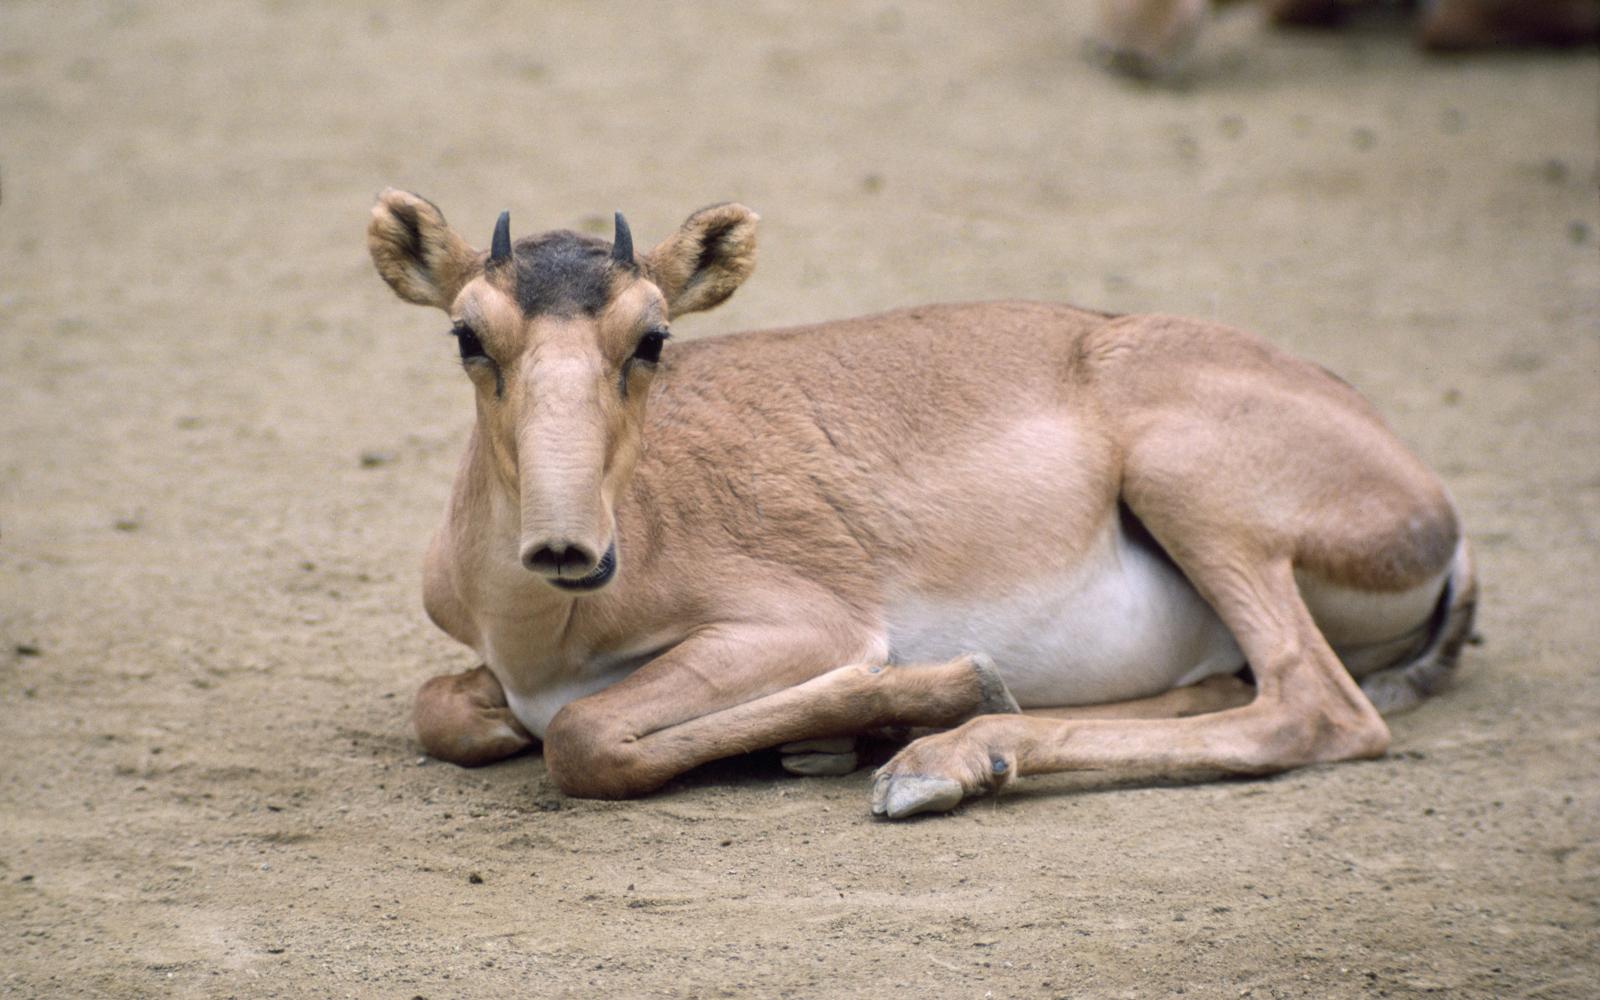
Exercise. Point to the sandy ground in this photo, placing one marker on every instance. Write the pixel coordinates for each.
(210, 625)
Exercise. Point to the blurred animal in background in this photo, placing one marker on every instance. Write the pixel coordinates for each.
(1153, 38)
(1184, 549)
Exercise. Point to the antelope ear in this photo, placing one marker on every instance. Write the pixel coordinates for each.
(416, 251)
(709, 256)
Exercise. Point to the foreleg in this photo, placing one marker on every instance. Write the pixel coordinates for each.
(463, 719)
(626, 741)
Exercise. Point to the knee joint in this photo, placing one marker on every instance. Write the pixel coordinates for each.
(587, 759)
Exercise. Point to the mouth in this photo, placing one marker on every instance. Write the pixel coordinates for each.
(594, 581)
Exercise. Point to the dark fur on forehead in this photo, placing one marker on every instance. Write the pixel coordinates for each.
(563, 273)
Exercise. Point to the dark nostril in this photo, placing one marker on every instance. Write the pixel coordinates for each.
(559, 559)
(543, 559)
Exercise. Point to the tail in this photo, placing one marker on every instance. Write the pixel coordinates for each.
(1407, 685)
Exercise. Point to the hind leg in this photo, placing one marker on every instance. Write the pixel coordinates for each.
(1273, 467)
(1306, 710)
(463, 719)
(1214, 694)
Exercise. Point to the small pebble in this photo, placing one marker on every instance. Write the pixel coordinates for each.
(475, 879)
(373, 459)
(28, 649)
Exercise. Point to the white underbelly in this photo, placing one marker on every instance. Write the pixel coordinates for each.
(1122, 624)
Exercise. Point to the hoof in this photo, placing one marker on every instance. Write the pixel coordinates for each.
(813, 765)
(899, 796)
(813, 758)
(996, 697)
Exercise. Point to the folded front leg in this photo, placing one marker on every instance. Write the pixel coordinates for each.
(684, 708)
(463, 719)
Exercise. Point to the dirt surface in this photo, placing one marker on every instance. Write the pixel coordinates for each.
(223, 444)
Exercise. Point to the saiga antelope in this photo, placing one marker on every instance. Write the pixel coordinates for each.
(926, 518)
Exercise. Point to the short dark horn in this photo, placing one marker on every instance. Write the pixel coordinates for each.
(500, 248)
(622, 243)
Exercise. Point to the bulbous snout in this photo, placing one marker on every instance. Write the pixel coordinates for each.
(566, 529)
(564, 443)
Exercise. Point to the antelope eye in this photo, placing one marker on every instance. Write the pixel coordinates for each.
(649, 349)
(471, 347)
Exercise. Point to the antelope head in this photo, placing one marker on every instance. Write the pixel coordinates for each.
(561, 335)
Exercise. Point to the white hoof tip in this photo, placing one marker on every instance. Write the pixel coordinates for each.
(814, 765)
(912, 794)
(880, 791)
